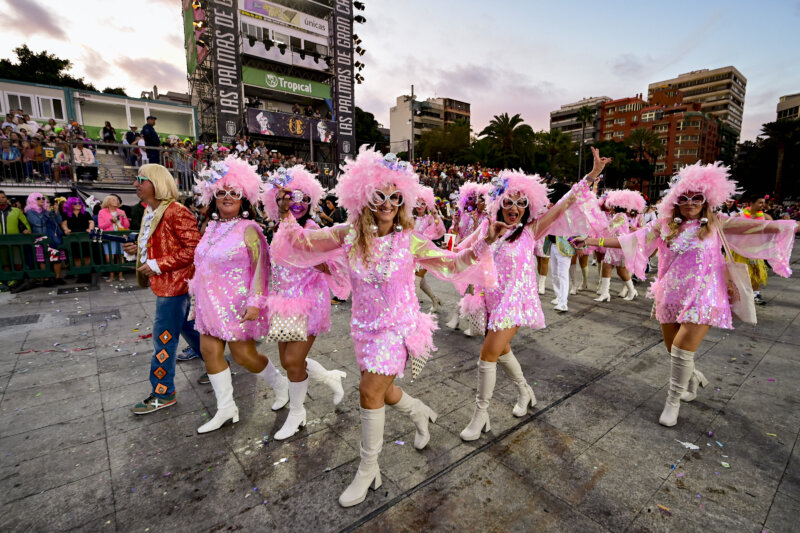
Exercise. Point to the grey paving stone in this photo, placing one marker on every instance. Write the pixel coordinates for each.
(17, 420)
(43, 394)
(783, 514)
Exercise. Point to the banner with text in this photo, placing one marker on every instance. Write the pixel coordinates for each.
(343, 104)
(289, 125)
(267, 11)
(286, 84)
(227, 69)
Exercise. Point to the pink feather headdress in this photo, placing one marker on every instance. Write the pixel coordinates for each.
(371, 171)
(712, 180)
(508, 183)
(426, 195)
(232, 172)
(472, 189)
(296, 178)
(626, 199)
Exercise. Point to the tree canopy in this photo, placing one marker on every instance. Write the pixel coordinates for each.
(43, 68)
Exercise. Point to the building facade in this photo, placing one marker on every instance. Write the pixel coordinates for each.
(566, 119)
(427, 114)
(720, 93)
(789, 107)
(688, 134)
(92, 109)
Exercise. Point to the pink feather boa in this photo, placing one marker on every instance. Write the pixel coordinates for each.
(420, 343)
(712, 180)
(530, 187)
(626, 199)
(471, 304)
(240, 177)
(369, 172)
(302, 180)
(282, 306)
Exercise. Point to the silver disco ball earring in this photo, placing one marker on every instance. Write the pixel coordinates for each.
(214, 216)
(677, 220)
(245, 214)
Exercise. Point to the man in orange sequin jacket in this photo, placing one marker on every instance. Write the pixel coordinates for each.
(165, 261)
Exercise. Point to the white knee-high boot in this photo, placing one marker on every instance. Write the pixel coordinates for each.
(424, 287)
(297, 412)
(279, 384)
(487, 374)
(605, 296)
(631, 292)
(681, 368)
(369, 473)
(525, 395)
(331, 378)
(226, 407)
(573, 285)
(585, 273)
(420, 414)
(541, 282)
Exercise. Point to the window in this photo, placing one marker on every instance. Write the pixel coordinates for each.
(607, 136)
(20, 101)
(50, 108)
(660, 167)
(609, 123)
(296, 43)
(619, 121)
(648, 117)
(661, 128)
(619, 134)
(280, 38)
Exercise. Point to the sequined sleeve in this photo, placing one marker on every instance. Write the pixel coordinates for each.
(306, 248)
(577, 213)
(474, 236)
(474, 265)
(638, 246)
(762, 239)
(259, 260)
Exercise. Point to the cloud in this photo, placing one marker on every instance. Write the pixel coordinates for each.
(30, 18)
(153, 72)
(94, 64)
(630, 66)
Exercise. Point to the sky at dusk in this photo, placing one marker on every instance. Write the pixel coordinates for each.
(527, 57)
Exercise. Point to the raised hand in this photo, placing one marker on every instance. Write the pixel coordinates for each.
(599, 163)
(496, 230)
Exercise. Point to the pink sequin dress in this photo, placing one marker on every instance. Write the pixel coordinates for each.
(387, 325)
(618, 225)
(231, 273)
(294, 291)
(514, 301)
(690, 286)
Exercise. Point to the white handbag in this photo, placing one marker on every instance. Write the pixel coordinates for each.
(740, 291)
(288, 328)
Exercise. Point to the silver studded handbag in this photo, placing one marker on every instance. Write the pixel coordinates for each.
(288, 328)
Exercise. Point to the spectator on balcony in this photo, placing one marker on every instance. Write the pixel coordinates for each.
(309, 111)
(9, 122)
(84, 161)
(33, 126)
(112, 218)
(317, 114)
(151, 139)
(109, 137)
(61, 163)
(51, 127)
(296, 109)
(77, 220)
(11, 159)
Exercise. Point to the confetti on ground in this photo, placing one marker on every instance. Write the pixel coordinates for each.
(38, 394)
(772, 435)
(680, 474)
(770, 379)
(283, 460)
(400, 442)
(710, 433)
(664, 510)
(719, 444)
(688, 445)
(726, 465)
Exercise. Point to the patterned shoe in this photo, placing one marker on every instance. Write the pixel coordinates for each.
(204, 380)
(187, 355)
(152, 404)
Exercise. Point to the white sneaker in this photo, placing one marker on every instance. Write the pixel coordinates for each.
(561, 308)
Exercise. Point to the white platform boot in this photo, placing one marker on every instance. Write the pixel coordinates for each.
(331, 378)
(585, 284)
(420, 414)
(681, 369)
(424, 287)
(487, 374)
(525, 396)
(541, 281)
(573, 285)
(279, 384)
(226, 408)
(630, 293)
(691, 390)
(369, 473)
(297, 412)
(605, 296)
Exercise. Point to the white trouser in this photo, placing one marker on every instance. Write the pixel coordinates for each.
(559, 268)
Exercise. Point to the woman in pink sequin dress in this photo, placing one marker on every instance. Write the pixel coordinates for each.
(296, 291)
(230, 286)
(521, 202)
(623, 207)
(428, 224)
(690, 290)
(387, 326)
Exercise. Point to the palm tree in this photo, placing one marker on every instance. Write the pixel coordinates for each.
(645, 142)
(510, 136)
(558, 150)
(585, 115)
(781, 134)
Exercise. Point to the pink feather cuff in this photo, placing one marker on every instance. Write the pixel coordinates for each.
(283, 306)
(257, 300)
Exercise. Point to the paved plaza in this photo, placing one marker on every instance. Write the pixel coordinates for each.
(590, 457)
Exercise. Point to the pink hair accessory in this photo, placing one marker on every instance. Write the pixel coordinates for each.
(510, 182)
(233, 173)
(426, 195)
(626, 199)
(371, 171)
(296, 178)
(712, 180)
(472, 189)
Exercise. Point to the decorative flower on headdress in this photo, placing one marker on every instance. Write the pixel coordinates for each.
(215, 172)
(500, 185)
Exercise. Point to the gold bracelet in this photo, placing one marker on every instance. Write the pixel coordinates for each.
(601, 241)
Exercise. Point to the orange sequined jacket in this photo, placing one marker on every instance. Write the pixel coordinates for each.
(172, 245)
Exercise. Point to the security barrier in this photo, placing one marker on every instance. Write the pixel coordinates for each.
(18, 256)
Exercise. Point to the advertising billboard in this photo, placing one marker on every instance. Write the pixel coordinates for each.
(289, 125)
(287, 84)
(227, 69)
(344, 105)
(291, 17)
